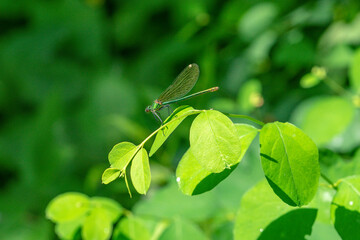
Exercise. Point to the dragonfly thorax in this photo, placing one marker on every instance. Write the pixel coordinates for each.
(154, 107)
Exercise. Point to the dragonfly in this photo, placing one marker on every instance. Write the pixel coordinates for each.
(176, 92)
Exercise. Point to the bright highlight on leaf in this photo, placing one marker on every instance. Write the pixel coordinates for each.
(194, 179)
(214, 141)
(290, 162)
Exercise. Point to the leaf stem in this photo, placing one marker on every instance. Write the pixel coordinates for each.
(328, 180)
(245, 117)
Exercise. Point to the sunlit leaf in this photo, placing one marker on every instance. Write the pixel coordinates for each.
(290, 162)
(110, 174)
(193, 179)
(121, 154)
(109, 206)
(97, 225)
(67, 207)
(140, 172)
(214, 141)
(163, 134)
(131, 228)
(262, 215)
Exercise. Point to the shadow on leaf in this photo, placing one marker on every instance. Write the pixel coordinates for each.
(347, 223)
(294, 225)
(280, 193)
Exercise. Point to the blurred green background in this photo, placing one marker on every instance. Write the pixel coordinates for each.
(76, 76)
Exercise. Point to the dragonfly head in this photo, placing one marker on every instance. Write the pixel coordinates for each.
(148, 109)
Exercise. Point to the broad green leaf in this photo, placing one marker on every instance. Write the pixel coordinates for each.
(68, 230)
(181, 229)
(97, 225)
(345, 208)
(323, 118)
(290, 162)
(163, 134)
(193, 179)
(355, 72)
(110, 174)
(109, 206)
(67, 207)
(121, 154)
(262, 215)
(140, 172)
(131, 228)
(214, 141)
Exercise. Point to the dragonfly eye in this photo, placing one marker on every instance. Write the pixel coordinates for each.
(147, 109)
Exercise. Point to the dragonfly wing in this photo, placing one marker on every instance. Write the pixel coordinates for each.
(183, 83)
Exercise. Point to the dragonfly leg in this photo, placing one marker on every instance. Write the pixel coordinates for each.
(168, 108)
(157, 117)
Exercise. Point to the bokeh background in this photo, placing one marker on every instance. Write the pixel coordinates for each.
(76, 76)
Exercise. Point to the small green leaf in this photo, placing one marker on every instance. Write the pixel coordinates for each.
(140, 172)
(193, 179)
(345, 208)
(97, 226)
(131, 228)
(110, 174)
(163, 134)
(67, 207)
(109, 206)
(262, 215)
(309, 80)
(290, 162)
(180, 229)
(121, 154)
(214, 141)
(355, 72)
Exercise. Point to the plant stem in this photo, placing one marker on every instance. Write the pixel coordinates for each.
(335, 86)
(328, 180)
(245, 117)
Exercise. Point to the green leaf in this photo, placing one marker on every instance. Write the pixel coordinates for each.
(109, 175)
(336, 115)
(121, 154)
(140, 172)
(354, 73)
(193, 179)
(163, 134)
(97, 226)
(290, 162)
(109, 206)
(131, 228)
(68, 230)
(214, 141)
(345, 208)
(180, 229)
(67, 207)
(309, 80)
(262, 215)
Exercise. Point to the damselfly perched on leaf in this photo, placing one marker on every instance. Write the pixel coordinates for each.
(183, 83)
